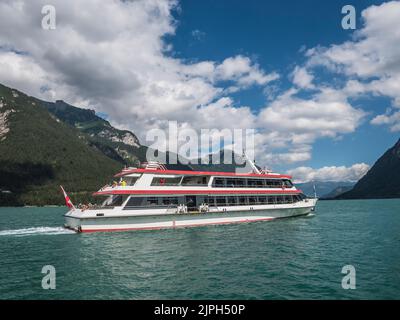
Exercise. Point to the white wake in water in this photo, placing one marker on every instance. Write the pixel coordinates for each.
(36, 231)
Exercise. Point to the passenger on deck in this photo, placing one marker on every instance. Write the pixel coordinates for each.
(123, 183)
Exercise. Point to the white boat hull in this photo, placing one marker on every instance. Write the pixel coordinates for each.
(121, 220)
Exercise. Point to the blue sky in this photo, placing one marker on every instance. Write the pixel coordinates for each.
(274, 33)
(324, 101)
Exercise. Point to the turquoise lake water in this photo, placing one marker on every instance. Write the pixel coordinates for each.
(297, 258)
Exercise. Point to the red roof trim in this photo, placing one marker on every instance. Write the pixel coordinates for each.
(192, 192)
(203, 173)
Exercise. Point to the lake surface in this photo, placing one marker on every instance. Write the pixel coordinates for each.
(297, 258)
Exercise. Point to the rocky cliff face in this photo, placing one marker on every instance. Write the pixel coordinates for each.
(121, 145)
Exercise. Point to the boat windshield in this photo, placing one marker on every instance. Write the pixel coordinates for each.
(113, 201)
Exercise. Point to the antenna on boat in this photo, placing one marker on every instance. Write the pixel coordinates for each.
(315, 191)
(252, 164)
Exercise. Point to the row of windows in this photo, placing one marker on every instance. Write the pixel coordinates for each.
(184, 181)
(215, 201)
(223, 182)
(252, 200)
(152, 201)
(251, 183)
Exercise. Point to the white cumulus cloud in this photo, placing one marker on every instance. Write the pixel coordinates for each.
(371, 60)
(113, 56)
(333, 173)
(302, 78)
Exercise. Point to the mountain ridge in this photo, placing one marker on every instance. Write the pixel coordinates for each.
(121, 145)
(322, 188)
(39, 152)
(382, 181)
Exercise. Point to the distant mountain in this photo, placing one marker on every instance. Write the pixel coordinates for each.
(120, 145)
(323, 188)
(336, 192)
(381, 181)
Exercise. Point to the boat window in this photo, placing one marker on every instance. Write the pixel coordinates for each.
(134, 202)
(221, 201)
(288, 183)
(195, 180)
(252, 200)
(165, 181)
(152, 201)
(170, 200)
(302, 196)
(297, 198)
(240, 183)
(116, 201)
(219, 182)
(269, 183)
(271, 199)
(230, 182)
(232, 201)
(259, 183)
(262, 200)
(277, 184)
(242, 200)
(251, 183)
(211, 201)
(112, 201)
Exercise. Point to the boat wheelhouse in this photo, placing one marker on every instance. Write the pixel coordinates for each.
(154, 197)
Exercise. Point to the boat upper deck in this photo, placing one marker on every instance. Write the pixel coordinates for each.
(201, 173)
(167, 182)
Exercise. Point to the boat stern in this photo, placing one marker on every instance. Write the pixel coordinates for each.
(72, 220)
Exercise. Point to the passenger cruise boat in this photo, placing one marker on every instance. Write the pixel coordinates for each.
(153, 197)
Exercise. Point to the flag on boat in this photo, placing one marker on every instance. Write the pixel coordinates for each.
(68, 201)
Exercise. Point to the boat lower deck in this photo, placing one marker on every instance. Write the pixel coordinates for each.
(190, 219)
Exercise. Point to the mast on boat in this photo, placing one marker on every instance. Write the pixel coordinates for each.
(252, 164)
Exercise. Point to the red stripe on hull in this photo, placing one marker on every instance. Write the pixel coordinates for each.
(192, 192)
(183, 226)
